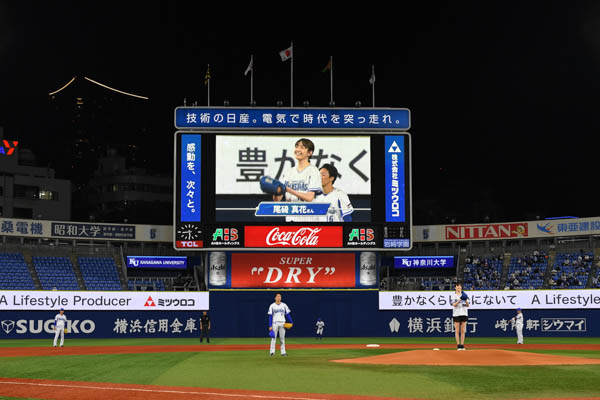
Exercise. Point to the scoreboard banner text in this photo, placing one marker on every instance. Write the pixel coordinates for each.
(493, 299)
(292, 118)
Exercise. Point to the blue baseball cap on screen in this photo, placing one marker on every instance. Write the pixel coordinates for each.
(62, 309)
(518, 309)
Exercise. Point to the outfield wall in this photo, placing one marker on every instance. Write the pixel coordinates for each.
(244, 314)
(356, 313)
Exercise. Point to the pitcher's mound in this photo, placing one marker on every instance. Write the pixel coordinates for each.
(469, 357)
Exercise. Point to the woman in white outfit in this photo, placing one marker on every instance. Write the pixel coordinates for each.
(460, 315)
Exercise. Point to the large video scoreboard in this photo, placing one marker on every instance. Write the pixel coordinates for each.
(222, 153)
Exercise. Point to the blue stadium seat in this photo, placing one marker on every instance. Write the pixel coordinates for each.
(99, 273)
(571, 270)
(14, 274)
(55, 272)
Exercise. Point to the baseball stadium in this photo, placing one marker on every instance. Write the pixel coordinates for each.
(134, 332)
(162, 238)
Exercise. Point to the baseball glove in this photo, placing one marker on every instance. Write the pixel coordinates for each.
(272, 186)
(464, 296)
(288, 325)
(272, 333)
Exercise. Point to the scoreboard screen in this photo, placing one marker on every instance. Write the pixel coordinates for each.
(349, 189)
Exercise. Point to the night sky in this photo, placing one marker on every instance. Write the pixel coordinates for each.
(504, 95)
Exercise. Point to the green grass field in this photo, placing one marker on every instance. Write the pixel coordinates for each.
(311, 371)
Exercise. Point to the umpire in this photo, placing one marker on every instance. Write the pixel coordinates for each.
(205, 327)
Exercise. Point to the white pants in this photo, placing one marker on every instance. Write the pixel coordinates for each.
(279, 331)
(519, 328)
(319, 331)
(61, 332)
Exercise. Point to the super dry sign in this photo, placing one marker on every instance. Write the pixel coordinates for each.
(317, 270)
(487, 231)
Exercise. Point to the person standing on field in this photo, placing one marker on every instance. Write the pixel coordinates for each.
(60, 322)
(278, 313)
(205, 326)
(518, 321)
(460, 315)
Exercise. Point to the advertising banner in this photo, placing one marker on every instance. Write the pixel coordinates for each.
(293, 236)
(339, 118)
(493, 299)
(99, 301)
(156, 262)
(352, 313)
(190, 178)
(318, 270)
(394, 179)
(509, 230)
(87, 231)
(424, 262)
(100, 324)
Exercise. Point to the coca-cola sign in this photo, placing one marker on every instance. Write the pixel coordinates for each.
(293, 236)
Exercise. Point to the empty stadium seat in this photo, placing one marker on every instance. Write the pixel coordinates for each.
(55, 272)
(14, 274)
(151, 284)
(99, 273)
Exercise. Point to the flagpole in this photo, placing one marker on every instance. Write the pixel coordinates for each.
(208, 84)
(331, 81)
(292, 77)
(252, 80)
(373, 74)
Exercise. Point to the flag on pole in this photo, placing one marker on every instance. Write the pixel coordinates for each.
(372, 78)
(286, 54)
(328, 66)
(250, 66)
(207, 76)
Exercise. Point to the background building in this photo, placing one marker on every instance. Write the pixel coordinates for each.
(119, 193)
(30, 191)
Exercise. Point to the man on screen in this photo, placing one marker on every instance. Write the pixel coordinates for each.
(341, 209)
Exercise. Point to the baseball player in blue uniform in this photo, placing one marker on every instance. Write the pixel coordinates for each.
(278, 312)
(518, 321)
(320, 325)
(60, 321)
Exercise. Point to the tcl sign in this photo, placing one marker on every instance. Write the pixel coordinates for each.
(189, 244)
(489, 231)
(293, 236)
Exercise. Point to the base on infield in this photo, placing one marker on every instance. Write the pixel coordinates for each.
(469, 358)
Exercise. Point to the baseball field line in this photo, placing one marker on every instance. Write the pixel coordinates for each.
(99, 392)
(136, 349)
